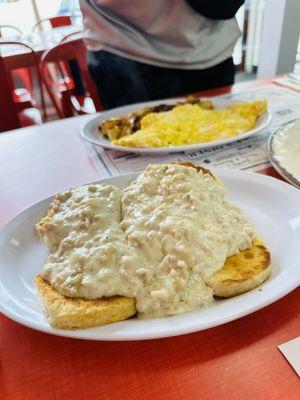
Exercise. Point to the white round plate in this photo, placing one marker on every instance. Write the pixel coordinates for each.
(273, 157)
(274, 208)
(92, 134)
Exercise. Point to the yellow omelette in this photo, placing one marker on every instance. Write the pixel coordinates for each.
(189, 123)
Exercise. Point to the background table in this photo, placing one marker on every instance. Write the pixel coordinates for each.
(239, 360)
(40, 42)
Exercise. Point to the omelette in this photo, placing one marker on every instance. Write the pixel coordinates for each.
(189, 123)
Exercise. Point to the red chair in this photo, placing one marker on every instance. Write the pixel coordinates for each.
(10, 116)
(10, 32)
(70, 96)
(72, 36)
(24, 109)
(54, 22)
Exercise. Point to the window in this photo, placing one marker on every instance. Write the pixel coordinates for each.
(19, 13)
(25, 13)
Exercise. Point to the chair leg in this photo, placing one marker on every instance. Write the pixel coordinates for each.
(67, 103)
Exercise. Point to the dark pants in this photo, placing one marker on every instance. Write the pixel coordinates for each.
(121, 81)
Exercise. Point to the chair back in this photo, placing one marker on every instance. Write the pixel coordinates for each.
(71, 36)
(54, 22)
(28, 59)
(62, 82)
(9, 118)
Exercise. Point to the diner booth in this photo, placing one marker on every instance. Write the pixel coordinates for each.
(149, 199)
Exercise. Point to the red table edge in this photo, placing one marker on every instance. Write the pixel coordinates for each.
(240, 86)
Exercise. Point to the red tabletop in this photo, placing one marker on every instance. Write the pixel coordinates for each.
(238, 360)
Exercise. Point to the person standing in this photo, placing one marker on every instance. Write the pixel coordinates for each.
(151, 49)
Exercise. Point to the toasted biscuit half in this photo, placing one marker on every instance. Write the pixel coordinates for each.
(242, 272)
(199, 169)
(69, 313)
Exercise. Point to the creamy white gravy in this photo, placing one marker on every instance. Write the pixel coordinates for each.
(286, 148)
(156, 241)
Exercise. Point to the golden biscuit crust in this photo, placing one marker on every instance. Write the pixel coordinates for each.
(70, 313)
(242, 272)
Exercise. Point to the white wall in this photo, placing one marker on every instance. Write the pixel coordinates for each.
(280, 37)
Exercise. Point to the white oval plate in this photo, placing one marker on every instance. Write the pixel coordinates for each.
(274, 208)
(92, 134)
(273, 158)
